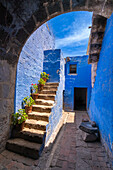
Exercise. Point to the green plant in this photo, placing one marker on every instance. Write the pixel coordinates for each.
(41, 81)
(28, 101)
(19, 117)
(35, 88)
(44, 75)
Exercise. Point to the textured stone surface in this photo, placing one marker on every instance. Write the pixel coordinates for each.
(23, 18)
(89, 137)
(73, 153)
(81, 79)
(101, 104)
(68, 152)
(7, 73)
(23, 147)
(96, 37)
(32, 135)
(35, 129)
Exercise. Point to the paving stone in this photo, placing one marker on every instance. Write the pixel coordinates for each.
(59, 163)
(71, 153)
(71, 165)
(53, 163)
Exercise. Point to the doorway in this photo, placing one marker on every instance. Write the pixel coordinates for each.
(80, 98)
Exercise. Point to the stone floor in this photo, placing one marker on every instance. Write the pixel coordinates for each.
(68, 152)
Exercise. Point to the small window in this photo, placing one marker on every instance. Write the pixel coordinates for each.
(73, 69)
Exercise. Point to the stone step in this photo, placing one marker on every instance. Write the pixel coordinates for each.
(47, 96)
(50, 88)
(39, 116)
(41, 108)
(48, 92)
(31, 135)
(44, 102)
(52, 84)
(36, 124)
(23, 147)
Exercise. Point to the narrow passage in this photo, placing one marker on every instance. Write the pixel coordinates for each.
(73, 153)
(70, 153)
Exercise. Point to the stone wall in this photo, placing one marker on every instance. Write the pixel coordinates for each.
(7, 73)
(96, 37)
(80, 80)
(30, 63)
(101, 105)
(56, 61)
(20, 19)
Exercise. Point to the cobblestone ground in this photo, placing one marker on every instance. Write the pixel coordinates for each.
(73, 153)
(69, 152)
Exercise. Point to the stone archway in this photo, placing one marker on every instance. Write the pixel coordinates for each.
(18, 20)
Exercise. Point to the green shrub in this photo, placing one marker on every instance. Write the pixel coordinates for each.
(28, 101)
(44, 75)
(19, 117)
(34, 88)
(41, 81)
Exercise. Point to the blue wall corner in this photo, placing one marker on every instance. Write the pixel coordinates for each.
(101, 105)
(82, 79)
(56, 112)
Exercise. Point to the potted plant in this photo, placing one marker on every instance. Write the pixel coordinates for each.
(28, 101)
(18, 119)
(35, 91)
(44, 76)
(41, 84)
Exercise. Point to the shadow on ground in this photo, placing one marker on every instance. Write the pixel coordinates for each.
(68, 151)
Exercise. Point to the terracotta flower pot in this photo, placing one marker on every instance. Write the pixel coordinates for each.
(28, 109)
(40, 87)
(45, 79)
(19, 127)
(35, 96)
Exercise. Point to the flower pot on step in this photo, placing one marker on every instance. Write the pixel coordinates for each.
(40, 87)
(45, 79)
(28, 109)
(35, 96)
(19, 127)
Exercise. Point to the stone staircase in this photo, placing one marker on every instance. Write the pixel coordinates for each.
(30, 141)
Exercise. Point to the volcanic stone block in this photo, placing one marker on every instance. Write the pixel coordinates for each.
(89, 137)
(87, 127)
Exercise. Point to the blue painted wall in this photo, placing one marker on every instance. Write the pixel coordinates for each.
(51, 65)
(53, 57)
(101, 105)
(30, 63)
(80, 80)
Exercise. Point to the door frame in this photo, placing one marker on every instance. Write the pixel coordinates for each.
(74, 95)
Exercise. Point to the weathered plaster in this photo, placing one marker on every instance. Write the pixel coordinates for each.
(81, 80)
(101, 105)
(30, 63)
(54, 59)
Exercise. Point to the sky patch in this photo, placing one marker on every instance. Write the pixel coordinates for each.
(71, 32)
